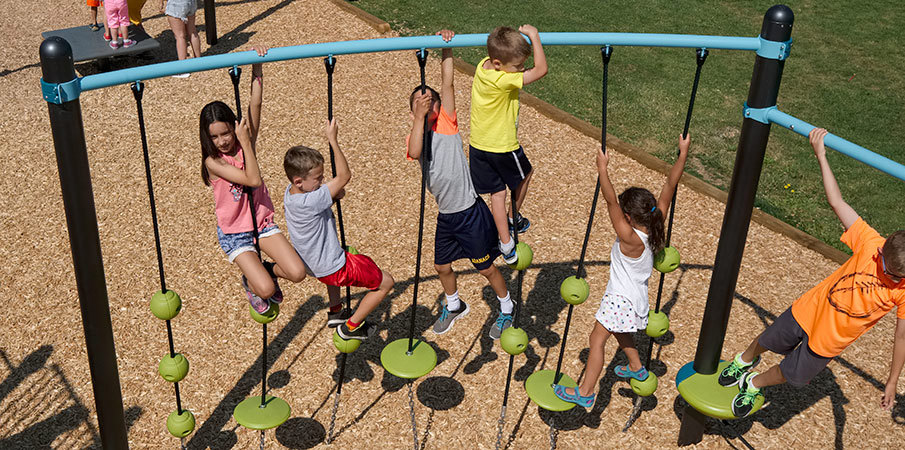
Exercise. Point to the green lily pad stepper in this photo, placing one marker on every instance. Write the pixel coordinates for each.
(704, 393)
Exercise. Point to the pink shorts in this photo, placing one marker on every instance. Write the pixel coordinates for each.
(360, 271)
(117, 13)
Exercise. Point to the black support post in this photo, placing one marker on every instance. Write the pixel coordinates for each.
(84, 240)
(210, 22)
(777, 27)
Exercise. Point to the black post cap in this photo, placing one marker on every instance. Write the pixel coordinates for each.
(56, 60)
(777, 24)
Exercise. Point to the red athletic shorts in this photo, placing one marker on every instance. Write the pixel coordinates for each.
(360, 271)
(95, 3)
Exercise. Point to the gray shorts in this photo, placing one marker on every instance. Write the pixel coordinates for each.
(786, 337)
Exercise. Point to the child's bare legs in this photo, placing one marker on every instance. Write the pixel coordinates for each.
(498, 209)
(496, 280)
(447, 278)
(193, 37)
(627, 344)
(335, 297)
(92, 15)
(259, 280)
(521, 193)
(178, 28)
(772, 376)
(373, 298)
(597, 342)
(288, 264)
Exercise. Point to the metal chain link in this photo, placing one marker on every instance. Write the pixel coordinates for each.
(333, 418)
(500, 423)
(412, 414)
(182, 443)
(262, 439)
(554, 433)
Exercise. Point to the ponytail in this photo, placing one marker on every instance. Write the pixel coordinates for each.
(656, 233)
(641, 206)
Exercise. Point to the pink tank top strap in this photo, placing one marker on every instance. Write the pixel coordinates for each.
(231, 203)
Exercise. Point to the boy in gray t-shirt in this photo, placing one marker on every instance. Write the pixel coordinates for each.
(465, 227)
(308, 201)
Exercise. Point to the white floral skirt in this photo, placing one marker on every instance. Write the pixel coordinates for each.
(617, 314)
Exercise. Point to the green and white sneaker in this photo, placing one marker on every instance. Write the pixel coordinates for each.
(447, 318)
(732, 374)
(503, 321)
(743, 402)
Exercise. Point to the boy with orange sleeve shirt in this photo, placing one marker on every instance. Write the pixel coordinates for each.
(830, 316)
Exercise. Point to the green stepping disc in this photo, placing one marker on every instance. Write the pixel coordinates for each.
(539, 387)
(705, 394)
(251, 415)
(397, 361)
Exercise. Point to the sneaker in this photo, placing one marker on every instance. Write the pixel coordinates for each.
(335, 319)
(114, 44)
(128, 43)
(260, 305)
(511, 257)
(732, 374)
(448, 318)
(363, 332)
(624, 372)
(520, 223)
(107, 36)
(743, 402)
(277, 296)
(503, 321)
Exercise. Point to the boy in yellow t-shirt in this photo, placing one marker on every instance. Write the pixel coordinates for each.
(496, 159)
(830, 316)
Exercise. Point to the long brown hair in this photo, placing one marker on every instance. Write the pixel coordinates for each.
(641, 206)
(212, 112)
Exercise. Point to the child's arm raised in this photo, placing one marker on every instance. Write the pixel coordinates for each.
(895, 368)
(447, 92)
(343, 174)
(540, 60)
(257, 95)
(844, 212)
(675, 173)
(632, 246)
(251, 175)
(420, 106)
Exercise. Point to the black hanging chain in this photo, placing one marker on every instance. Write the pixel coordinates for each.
(234, 74)
(138, 89)
(425, 165)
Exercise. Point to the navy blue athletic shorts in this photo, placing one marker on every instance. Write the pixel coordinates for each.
(467, 234)
(493, 172)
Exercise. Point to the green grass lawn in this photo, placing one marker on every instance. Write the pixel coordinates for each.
(845, 73)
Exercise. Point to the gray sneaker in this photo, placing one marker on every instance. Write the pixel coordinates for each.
(448, 318)
(503, 321)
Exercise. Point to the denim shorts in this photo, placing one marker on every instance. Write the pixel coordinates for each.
(236, 243)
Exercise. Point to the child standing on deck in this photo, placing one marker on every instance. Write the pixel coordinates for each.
(637, 218)
(229, 165)
(830, 316)
(465, 226)
(118, 22)
(497, 160)
(312, 228)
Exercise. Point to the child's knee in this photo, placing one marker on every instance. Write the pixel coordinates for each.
(295, 274)
(263, 288)
(443, 269)
(387, 283)
(488, 271)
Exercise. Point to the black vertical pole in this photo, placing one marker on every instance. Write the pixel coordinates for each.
(210, 22)
(84, 240)
(777, 26)
(425, 169)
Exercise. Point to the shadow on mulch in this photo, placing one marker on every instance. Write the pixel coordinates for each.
(47, 390)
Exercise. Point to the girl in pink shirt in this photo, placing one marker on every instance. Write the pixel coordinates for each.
(229, 165)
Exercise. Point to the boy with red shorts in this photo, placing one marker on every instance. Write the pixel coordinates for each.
(309, 217)
(829, 317)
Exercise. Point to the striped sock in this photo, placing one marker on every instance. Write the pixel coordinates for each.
(352, 325)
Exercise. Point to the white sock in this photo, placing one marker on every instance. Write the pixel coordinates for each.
(506, 305)
(740, 360)
(751, 386)
(452, 302)
(508, 246)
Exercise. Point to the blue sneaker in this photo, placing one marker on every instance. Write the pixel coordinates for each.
(624, 372)
(520, 223)
(575, 397)
(503, 321)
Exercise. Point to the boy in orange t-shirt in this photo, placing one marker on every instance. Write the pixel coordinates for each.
(830, 316)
